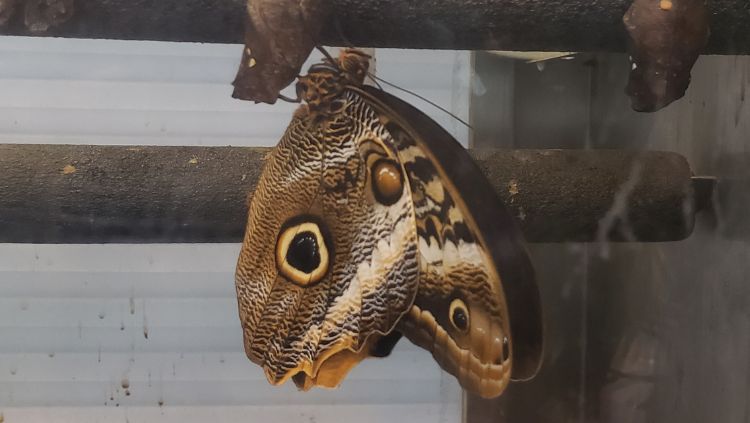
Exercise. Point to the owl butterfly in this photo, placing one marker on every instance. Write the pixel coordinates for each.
(370, 222)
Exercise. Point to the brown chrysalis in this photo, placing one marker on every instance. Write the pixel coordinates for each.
(665, 37)
(279, 36)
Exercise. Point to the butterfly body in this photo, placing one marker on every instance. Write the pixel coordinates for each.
(359, 232)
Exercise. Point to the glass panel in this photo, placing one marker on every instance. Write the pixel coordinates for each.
(635, 332)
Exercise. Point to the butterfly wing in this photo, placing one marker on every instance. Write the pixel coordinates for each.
(329, 261)
(478, 308)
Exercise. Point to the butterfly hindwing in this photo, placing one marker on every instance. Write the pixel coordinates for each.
(477, 308)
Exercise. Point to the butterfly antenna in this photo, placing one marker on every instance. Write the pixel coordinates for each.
(377, 79)
(372, 76)
(432, 103)
(282, 97)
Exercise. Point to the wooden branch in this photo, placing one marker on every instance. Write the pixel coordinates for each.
(107, 194)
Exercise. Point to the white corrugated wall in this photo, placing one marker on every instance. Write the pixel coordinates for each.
(80, 323)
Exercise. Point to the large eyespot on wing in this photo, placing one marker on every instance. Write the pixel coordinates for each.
(494, 227)
(303, 251)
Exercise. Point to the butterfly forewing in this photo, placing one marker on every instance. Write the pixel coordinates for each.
(314, 206)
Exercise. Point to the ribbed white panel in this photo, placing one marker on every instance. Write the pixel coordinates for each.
(434, 413)
(149, 93)
(77, 321)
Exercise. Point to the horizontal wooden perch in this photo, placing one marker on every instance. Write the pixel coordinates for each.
(104, 194)
(563, 25)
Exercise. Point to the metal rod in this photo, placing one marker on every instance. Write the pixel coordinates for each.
(564, 25)
(108, 194)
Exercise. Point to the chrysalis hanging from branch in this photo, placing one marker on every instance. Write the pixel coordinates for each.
(279, 36)
(665, 39)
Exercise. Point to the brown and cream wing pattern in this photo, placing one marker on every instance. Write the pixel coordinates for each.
(328, 265)
(477, 308)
